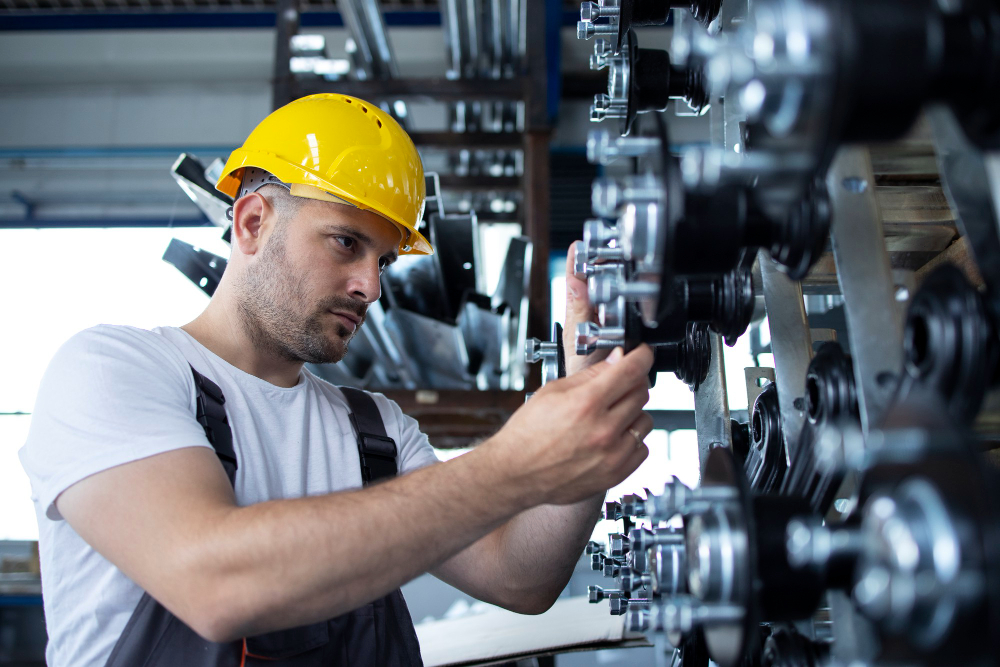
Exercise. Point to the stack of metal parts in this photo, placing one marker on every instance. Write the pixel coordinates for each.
(855, 520)
(434, 327)
(485, 40)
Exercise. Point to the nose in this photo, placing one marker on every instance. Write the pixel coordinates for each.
(365, 282)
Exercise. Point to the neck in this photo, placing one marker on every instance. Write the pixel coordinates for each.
(220, 329)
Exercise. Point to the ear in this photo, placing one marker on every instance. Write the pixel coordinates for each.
(249, 214)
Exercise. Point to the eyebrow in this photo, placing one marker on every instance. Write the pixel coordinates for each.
(391, 256)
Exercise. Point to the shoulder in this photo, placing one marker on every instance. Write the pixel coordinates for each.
(110, 353)
(389, 409)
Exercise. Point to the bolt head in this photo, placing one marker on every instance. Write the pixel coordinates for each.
(532, 350)
(605, 197)
(637, 620)
(589, 11)
(584, 30)
(602, 288)
(618, 604)
(587, 334)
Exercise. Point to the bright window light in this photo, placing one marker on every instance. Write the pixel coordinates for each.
(61, 281)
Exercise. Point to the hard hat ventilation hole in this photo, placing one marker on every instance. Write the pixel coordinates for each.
(347, 99)
(379, 123)
(365, 109)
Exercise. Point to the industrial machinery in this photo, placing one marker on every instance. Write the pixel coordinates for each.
(855, 520)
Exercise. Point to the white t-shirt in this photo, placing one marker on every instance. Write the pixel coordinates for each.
(113, 395)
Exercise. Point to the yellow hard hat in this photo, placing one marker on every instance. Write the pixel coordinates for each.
(342, 149)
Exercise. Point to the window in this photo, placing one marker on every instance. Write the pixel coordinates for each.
(58, 282)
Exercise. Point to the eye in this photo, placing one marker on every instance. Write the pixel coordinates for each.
(383, 264)
(346, 241)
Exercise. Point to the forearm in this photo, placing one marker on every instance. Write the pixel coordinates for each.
(292, 562)
(541, 547)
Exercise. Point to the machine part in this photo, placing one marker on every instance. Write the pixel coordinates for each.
(865, 274)
(679, 499)
(711, 404)
(737, 555)
(766, 462)
(951, 343)
(830, 387)
(971, 181)
(690, 360)
(803, 88)
(201, 267)
(643, 80)
(680, 616)
(792, 347)
(596, 594)
(604, 149)
(726, 304)
(828, 550)
(668, 569)
(551, 355)
(623, 15)
(634, 581)
(786, 648)
(192, 177)
(832, 414)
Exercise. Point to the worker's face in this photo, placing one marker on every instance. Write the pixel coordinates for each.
(306, 293)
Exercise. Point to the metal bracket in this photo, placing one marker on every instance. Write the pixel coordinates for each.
(711, 405)
(754, 375)
(874, 324)
(792, 348)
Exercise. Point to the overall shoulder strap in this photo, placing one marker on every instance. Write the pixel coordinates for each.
(211, 414)
(376, 449)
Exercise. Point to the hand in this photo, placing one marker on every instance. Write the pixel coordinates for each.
(580, 435)
(578, 309)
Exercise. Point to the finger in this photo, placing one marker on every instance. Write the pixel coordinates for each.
(619, 375)
(629, 407)
(643, 425)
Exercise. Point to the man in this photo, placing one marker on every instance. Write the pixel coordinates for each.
(164, 544)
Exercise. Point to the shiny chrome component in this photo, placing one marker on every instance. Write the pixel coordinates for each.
(602, 148)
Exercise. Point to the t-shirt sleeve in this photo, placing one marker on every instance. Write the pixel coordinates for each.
(414, 448)
(110, 396)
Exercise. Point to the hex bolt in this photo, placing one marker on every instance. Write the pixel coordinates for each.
(588, 29)
(633, 581)
(597, 562)
(613, 510)
(813, 544)
(535, 350)
(677, 498)
(597, 234)
(595, 593)
(681, 614)
(594, 548)
(591, 11)
(637, 619)
(590, 337)
(620, 605)
(634, 505)
(602, 148)
(604, 288)
(606, 197)
(611, 568)
(618, 545)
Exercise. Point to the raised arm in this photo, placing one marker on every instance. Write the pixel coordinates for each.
(171, 524)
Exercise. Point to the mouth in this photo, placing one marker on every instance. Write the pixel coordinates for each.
(349, 320)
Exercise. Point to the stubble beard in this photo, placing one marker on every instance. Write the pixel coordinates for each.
(270, 306)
